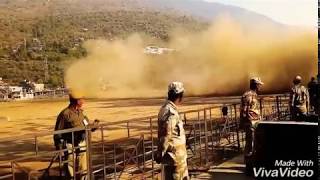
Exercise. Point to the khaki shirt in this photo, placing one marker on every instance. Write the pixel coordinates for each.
(250, 106)
(299, 98)
(71, 118)
(171, 134)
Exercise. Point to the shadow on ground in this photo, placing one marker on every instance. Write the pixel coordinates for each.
(232, 169)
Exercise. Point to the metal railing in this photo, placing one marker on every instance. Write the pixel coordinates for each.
(125, 149)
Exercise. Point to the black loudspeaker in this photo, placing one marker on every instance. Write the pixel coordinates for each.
(285, 150)
(312, 118)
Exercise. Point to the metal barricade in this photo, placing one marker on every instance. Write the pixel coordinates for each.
(125, 149)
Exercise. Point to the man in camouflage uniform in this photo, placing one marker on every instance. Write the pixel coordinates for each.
(299, 100)
(73, 117)
(250, 113)
(172, 151)
(312, 88)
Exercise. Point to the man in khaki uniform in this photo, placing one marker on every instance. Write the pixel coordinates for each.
(73, 117)
(250, 113)
(299, 100)
(172, 151)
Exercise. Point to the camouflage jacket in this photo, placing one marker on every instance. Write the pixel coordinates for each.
(299, 97)
(171, 135)
(250, 106)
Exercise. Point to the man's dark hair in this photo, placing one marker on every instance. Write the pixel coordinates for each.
(253, 85)
(172, 96)
(73, 100)
(313, 78)
(296, 81)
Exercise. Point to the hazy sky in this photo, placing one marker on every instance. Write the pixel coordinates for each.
(292, 12)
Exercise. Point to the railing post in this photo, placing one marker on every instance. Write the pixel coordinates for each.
(60, 163)
(194, 137)
(73, 157)
(128, 129)
(144, 155)
(88, 154)
(36, 144)
(278, 107)
(206, 135)
(211, 129)
(12, 170)
(230, 125)
(104, 154)
(261, 107)
(114, 162)
(152, 153)
(199, 121)
(237, 127)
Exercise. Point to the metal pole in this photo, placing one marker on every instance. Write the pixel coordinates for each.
(229, 126)
(60, 163)
(88, 154)
(199, 121)
(278, 107)
(206, 135)
(211, 129)
(237, 127)
(144, 154)
(73, 157)
(152, 155)
(114, 161)
(124, 160)
(36, 144)
(12, 170)
(128, 128)
(103, 152)
(194, 137)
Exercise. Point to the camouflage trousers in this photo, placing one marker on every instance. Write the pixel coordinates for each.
(179, 172)
(249, 128)
(249, 140)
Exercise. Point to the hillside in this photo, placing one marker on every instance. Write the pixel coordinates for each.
(31, 43)
(39, 36)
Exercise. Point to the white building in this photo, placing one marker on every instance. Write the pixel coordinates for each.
(38, 87)
(15, 89)
(18, 93)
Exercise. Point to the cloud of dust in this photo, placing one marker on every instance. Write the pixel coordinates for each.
(219, 60)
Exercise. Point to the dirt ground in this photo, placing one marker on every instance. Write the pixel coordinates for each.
(21, 118)
(27, 117)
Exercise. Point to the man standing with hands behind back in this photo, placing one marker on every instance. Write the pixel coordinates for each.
(172, 153)
(250, 114)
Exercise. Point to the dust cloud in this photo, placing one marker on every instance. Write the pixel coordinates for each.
(219, 60)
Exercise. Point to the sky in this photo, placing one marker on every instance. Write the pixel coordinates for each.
(290, 12)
